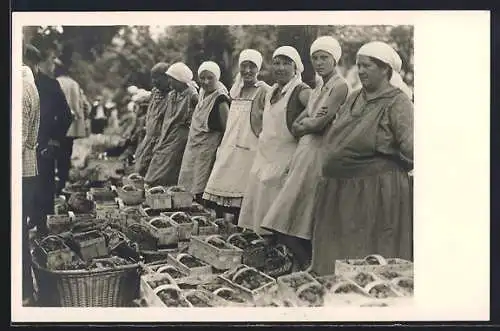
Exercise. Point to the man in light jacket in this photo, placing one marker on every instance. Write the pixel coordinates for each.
(77, 129)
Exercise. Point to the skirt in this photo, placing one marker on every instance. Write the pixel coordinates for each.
(356, 217)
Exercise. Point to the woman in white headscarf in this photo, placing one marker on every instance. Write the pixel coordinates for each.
(180, 104)
(228, 180)
(292, 212)
(364, 199)
(207, 128)
(277, 142)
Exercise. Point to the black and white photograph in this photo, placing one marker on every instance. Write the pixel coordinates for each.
(217, 165)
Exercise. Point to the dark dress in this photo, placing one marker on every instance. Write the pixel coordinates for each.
(55, 119)
(364, 202)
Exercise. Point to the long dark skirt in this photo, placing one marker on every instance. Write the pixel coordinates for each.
(357, 217)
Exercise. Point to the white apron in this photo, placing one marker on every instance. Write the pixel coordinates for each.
(275, 151)
(236, 153)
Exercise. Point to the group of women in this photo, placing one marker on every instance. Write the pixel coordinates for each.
(325, 171)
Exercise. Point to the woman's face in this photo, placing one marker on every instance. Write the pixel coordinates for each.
(323, 63)
(160, 81)
(207, 80)
(48, 65)
(248, 71)
(283, 69)
(177, 85)
(370, 74)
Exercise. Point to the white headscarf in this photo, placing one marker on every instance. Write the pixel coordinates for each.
(212, 67)
(246, 55)
(291, 53)
(329, 45)
(28, 75)
(182, 73)
(388, 55)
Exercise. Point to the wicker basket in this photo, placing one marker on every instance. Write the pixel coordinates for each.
(160, 303)
(166, 236)
(131, 197)
(257, 295)
(158, 198)
(104, 288)
(219, 258)
(278, 261)
(140, 234)
(226, 228)
(204, 269)
(135, 180)
(147, 291)
(180, 197)
(375, 281)
(102, 195)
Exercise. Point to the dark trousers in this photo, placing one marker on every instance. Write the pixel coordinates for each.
(64, 162)
(45, 192)
(29, 194)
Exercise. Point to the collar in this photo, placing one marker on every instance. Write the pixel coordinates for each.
(291, 84)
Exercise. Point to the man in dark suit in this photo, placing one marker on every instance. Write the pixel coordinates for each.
(55, 119)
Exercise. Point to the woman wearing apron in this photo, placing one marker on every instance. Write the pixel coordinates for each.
(205, 134)
(167, 154)
(227, 182)
(276, 145)
(364, 198)
(291, 214)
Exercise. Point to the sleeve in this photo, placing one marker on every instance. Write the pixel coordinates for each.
(26, 114)
(401, 123)
(63, 113)
(216, 118)
(328, 111)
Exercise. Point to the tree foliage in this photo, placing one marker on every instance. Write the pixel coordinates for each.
(105, 59)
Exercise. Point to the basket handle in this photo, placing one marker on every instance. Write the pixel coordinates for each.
(128, 186)
(241, 271)
(135, 176)
(234, 235)
(156, 189)
(214, 236)
(304, 287)
(166, 287)
(180, 256)
(157, 218)
(53, 237)
(377, 282)
(71, 215)
(217, 291)
(178, 213)
(380, 259)
(137, 225)
(62, 197)
(396, 280)
(166, 267)
(343, 283)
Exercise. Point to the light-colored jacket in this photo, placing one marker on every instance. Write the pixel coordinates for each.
(74, 97)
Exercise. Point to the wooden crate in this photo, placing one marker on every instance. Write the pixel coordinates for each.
(52, 259)
(147, 291)
(158, 198)
(352, 266)
(371, 282)
(166, 236)
(204, 229)
(256, 295)
(220, 289)
(129, 215)
(190, 271)
(220, 258)
(185, 229)
(135, 180)
(59, 223)
(90, 248)
(159, 303)
(199, 298)
(293, 293)
(180, 197)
